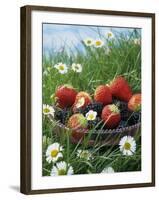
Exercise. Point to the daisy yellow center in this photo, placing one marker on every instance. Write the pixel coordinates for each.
(54, 152)
(76, 67)
(61, 172)
(127, 145)
(46, 110)
(109, 34)
(98, 43)
(89, 41)
(61, 67)
(91, 116)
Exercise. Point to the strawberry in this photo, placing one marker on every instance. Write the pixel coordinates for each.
(81, 101)
(78, 123)
(134, 103)
(111, 116)
(103, 95)
(121, 89)
(65, 96)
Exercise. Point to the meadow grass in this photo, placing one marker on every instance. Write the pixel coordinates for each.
(99, 67)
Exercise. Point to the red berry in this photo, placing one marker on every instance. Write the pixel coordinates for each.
(78, 136)
(111, 116)
(134, 103)
(78, 124)
(82, 100)
(65, 96)
(103, 95)
(121, 89)
(77, 121)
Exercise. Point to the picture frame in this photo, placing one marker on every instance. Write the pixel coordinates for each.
(33, 19)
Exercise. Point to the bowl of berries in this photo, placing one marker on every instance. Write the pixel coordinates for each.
(112, 112)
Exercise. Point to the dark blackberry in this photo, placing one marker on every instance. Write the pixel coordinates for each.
(120, 104)
(114, 100)
(79, 110)
(123, 107)
(95, 106)
(62, 115)
(122, 124)
(97, 123)
(134, 118)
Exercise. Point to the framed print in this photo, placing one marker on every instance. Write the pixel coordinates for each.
(87, 99)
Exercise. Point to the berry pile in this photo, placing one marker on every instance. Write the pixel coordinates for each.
(123, 107)
(134, 118)
(113, 106)
(62, 115)
(122, 124)
(95, 106)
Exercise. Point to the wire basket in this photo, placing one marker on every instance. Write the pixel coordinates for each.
(103, 136)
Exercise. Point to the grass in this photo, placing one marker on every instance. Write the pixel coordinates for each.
(99, 67)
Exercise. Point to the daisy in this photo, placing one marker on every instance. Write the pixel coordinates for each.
(127, 145)
(108, 170)
(98, 43)
(61, 168)
(48, 110)
(110, 35)
(84, 154)
(80, 102)
(91, 115)
(53, 152)
(62, 68)
(88, 42)
(76, 67)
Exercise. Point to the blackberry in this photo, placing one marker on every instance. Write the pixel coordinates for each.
(97, 123)
(62, 115)
(123, 107)
(134, 118)
(79, 110)
(122, 124)
(114, 100)
(95, 106)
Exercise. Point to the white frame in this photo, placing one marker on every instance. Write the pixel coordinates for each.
(41, 183)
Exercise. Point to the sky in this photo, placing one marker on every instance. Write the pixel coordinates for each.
(55, 36)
